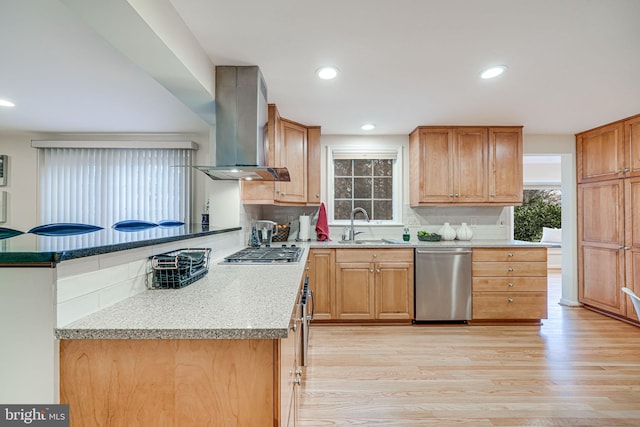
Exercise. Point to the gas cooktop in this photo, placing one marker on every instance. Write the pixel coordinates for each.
(266, 255)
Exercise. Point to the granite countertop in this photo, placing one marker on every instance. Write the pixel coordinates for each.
(415, 243)
(230, 302)
(26, 249)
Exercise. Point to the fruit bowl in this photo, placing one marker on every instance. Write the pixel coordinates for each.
(431, 237)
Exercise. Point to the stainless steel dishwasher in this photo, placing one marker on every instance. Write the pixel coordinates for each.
(443, 284)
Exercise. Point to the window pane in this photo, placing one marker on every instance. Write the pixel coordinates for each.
(364, 204)
(342, 209)
(362, 188)
(383, 167)
(362, 167)
(342, 167)
(383, 188)
(383, 209)
(343, 188)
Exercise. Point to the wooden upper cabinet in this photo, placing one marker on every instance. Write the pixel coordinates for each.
(465, 165)
(505, 165)
(313, 166)
(632, 146)
(291, 152)
(296, 147)
(431, 166)
(600, 153)
(470, 156)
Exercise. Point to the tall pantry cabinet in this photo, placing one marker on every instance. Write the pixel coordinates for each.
(608, 166)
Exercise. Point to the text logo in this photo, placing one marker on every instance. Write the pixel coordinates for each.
(34, 415)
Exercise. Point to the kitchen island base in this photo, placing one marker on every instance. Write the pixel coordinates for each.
(172, 382)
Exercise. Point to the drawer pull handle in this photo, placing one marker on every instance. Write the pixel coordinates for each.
(510, 300)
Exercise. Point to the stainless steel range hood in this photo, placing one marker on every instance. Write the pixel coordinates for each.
(241, 127)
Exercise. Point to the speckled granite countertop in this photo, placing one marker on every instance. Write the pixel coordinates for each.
(415, 243)
(230, 302)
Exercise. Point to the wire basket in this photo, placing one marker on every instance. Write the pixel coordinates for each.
(177, 269)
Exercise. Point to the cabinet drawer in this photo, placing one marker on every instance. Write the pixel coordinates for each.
(509, 269)
(509, 254)
(509, 284)
(509, 305)
(374, 255)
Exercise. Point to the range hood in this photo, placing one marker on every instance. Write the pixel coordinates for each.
(241, 127)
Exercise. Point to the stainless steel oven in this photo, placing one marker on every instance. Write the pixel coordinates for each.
(308, 307)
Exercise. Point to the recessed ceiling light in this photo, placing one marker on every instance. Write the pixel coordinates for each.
(368, 126)
(492, 72)
(5, 103)
(327, 73)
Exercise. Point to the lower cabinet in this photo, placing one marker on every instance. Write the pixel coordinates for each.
(365, 285)
(290, 371)
(509, 284)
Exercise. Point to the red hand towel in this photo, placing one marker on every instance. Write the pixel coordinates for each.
(322, 226)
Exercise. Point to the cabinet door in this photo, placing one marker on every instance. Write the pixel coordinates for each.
(263, 192)
(632, 242)
(600, 153)
(291, 151)
(632, 147)
(355, 291)
(321, 265)
(601, 245)
(394, 290)
(470, 165)
(435, 166)
(505, 165)
(313, 166)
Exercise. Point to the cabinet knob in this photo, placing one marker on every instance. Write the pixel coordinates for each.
(618, 170)
(299, 372)
(510, 299)
(317, 195)
(510, 284)
(307, 268)
(510, 269)
(371, 271)
(626, 248)
(626, 170)
(620, 247)
(492, 195)
(375, 255)
(294, 327)
(457, 195)
(509, 254)
(297, 381)
(283, 193)
(450, 194)
(377, 270)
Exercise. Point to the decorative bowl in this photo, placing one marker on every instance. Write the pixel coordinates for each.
(432, 237)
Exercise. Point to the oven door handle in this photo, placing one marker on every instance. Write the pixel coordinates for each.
(313, 304)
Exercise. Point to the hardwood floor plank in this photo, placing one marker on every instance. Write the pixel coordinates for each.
(578, 369)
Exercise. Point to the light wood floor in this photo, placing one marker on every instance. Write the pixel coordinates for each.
(578, 369)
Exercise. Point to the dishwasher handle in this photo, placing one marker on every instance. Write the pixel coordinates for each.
(443, 252)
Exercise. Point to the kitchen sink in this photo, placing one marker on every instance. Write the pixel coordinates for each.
(373, 242)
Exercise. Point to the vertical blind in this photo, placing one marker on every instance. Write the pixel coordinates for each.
(101, 186)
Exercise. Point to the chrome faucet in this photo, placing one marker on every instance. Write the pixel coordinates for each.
(352, 233)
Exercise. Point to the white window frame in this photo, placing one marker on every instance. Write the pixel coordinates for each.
(366, 153)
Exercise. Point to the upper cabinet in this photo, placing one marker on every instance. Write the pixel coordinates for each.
(465, 166)
(609, 152)
(296, 147)
(505, 165)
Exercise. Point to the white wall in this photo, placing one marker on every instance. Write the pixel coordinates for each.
(22, 180)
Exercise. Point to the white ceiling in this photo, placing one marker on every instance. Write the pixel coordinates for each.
(573, 64)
